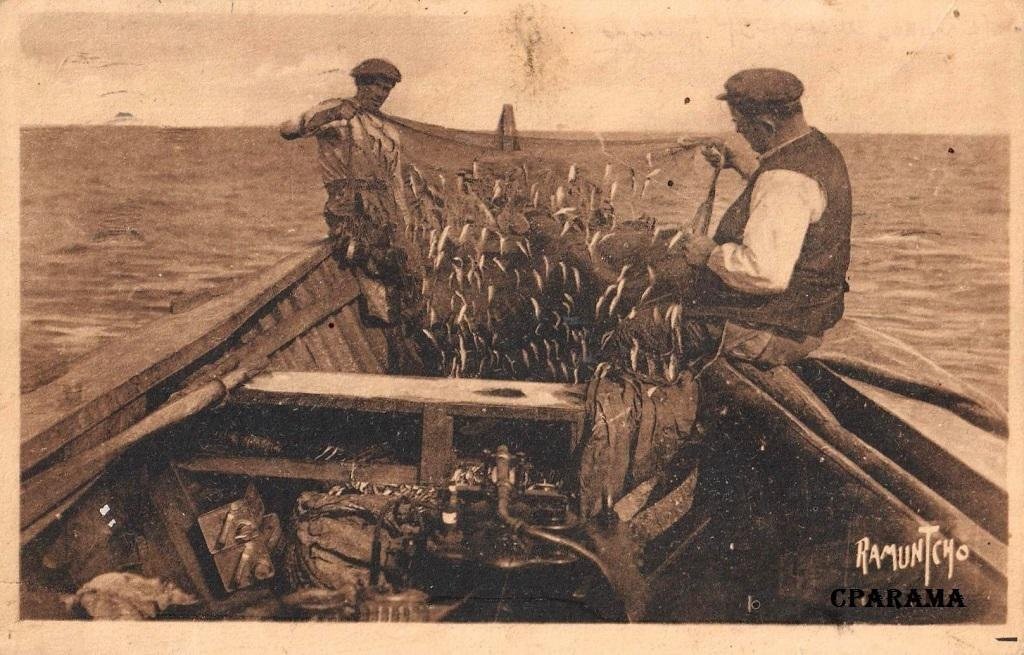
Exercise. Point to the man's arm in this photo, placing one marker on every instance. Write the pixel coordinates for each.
(783, 204)
(309, 122)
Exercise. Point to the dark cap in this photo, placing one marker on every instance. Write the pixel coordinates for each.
(378, 68)
(762, 86)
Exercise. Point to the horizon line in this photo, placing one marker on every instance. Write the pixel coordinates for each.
(523, 132)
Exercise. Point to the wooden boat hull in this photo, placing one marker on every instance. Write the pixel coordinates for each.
(866, 440)
(825, 487)
(803, 496)
(291, 315)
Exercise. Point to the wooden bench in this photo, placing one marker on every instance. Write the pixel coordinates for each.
(437, 400)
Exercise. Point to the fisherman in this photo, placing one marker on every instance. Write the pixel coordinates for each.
(771, 280)
(330, 122)
(359, 155)
(768, 284)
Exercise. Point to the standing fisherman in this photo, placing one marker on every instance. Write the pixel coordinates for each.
(359, 154)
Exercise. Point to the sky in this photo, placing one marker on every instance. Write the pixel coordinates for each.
(913, 66)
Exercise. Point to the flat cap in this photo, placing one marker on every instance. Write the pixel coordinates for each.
(762, 86)
(377, 68)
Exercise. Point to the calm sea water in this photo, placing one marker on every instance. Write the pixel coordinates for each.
(118, 223)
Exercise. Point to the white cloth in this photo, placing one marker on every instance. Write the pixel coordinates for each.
(783, 204)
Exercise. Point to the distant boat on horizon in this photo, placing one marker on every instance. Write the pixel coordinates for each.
(122, 118)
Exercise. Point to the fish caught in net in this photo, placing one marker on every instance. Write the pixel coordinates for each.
(536, 267)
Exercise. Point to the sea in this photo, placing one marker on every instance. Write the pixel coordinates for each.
(122, 224)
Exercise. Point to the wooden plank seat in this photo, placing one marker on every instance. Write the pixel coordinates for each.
(280, 467)
(437, 400)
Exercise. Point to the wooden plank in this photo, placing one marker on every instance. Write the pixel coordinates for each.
(981, 451)
(178, 514)
(334, 274)
(47, 488)
(378, 343)
(310, 338)
(302, 294)
(437, 453)
(248, 332)
(354, 331)
(113, 376)
(117, 422)
(296, 326)
(303, 297)
(327, 339)
(341, 346)
(318, 285)
(268, 320)
(839, 450)
(963, 463)
(299, 355)
(296, 350)
(316, 348)
(367, 346)
(330, 472)
(320, 336)
(323, 281)
(337, 346)
(308, 317)
(282, 359)
(384, 393)
(31, 531)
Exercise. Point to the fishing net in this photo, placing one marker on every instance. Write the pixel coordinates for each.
(552, 263)
(635, 432)
(539, 264)
(338, 536)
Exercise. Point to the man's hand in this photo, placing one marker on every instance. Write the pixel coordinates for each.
(291, 129)
(716, 150)
(697, 248)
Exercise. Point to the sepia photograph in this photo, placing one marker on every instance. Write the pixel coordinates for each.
(515, 312)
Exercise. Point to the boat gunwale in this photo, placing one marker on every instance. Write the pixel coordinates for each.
(50, 421)
(990, 549)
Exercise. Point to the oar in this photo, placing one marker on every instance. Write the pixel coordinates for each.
(46, 490)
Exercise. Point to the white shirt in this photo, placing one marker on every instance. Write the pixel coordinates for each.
(783, 204)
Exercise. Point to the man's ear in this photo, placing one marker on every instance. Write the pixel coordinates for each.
(768, 123)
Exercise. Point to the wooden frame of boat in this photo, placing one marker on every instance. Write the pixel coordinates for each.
(300, 326)
(296, 336)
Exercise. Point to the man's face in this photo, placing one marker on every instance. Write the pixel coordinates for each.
(757, 132)
(371, 94)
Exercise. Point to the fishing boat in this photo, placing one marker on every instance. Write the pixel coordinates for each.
(838, 473)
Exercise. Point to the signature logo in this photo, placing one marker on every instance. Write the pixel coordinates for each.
(928, 552)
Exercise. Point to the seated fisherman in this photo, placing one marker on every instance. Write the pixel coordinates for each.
(358, 151)
(768, 284)
(772, 278)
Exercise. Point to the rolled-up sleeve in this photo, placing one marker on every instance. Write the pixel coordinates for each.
(783, 204)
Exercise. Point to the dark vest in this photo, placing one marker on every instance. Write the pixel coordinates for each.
(813, 302)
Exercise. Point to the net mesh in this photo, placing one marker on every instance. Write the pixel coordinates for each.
(543, 263)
